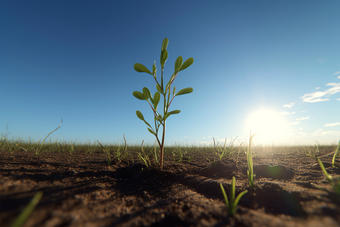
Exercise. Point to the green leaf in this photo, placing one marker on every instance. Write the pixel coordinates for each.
(174, 112)
(156, 97)
(139, 95)
(239, 197)
(185, 91)
(165, 44)
(140, 115)
(225, 197)
(164, 57)
(147, 93)
(170, 113)
(159, 89)
(166, 116)
(151, 131)
(173, 93)
(141, 68)
(186, 64)
(178, 63)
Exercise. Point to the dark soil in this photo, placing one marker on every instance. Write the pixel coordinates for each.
(81, 189)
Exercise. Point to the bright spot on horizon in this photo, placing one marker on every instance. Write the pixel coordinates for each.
(269, 126)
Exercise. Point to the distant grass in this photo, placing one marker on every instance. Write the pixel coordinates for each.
(148, 154)
(61, 146)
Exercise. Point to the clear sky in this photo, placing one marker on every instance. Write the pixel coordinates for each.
(269, 66)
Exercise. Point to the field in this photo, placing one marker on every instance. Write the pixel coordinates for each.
(108, 185)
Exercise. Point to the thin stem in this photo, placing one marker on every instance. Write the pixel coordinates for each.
(162, 147)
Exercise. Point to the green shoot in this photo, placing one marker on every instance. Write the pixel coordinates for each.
(238, 153)
(190, 158)
(145, 159)
(107, 153)
(335, 183)
(20, 220)
(336, 153)
(250, 171)
(213, 164)
(231, 205)
(39, 150)
(310, 153)
(6, 140)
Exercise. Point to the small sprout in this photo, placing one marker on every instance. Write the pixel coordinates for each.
(145, 159)
(312, 153)
(107, 152)
(213, 164)
(231, 205)
(250, 171)
(238, 153)
(39, 150)
(336, 153)
(334, 182)
(21, 219)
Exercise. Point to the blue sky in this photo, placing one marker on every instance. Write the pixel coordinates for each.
(74, 60)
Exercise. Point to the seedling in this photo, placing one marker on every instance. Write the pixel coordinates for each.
(213, 164)
(165, 91)
(20, 220)
(190, 158)
(238, 153)
(250, 171)
(312, 153)
(226, 151)
(6, 140)
(336, 153)
(107, 153)
(231, 205)
(145, 159)
(40, 150)
(334, 182)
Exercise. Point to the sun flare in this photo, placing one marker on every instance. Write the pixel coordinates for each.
(269, 126)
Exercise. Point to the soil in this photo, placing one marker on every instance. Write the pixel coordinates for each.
(81, 189)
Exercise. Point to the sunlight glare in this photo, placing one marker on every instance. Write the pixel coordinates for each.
(269, 125)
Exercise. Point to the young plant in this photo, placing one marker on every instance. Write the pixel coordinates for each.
(107, 153)
(39, 150)
(231, 205)
(250, 171)
(159, 119)
(6, 140)
(335, 183)
(312, 153)
(190, 158)
(336, 153)
(71, 147)
(145, 159)
(119, 154)
(213, 164)
(238, 153)
(21, 219)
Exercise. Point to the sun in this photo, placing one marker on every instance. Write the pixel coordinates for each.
(270, 127)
